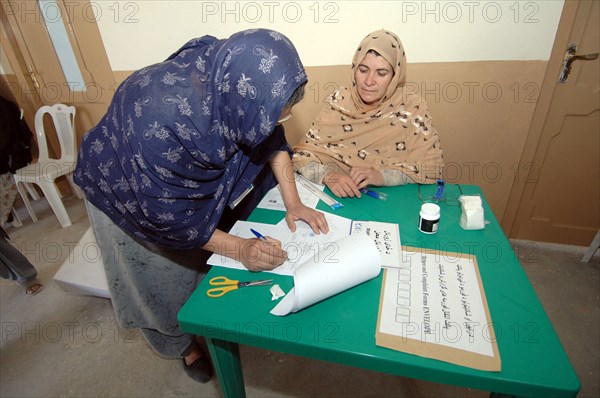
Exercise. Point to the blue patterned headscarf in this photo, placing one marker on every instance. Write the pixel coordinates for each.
(184, 138)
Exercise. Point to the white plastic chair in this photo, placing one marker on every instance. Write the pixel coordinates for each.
(46, 170)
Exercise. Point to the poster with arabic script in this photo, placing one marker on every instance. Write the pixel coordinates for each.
(434, 306)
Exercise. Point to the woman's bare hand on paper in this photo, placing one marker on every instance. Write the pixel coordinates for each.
(312, 217)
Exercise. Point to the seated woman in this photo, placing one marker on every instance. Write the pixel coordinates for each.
(373, 133)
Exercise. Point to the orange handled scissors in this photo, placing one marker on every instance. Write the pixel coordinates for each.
(226, 285)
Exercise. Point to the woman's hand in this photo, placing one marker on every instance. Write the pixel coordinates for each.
(281, 164)
(261, 255)
(312, 217)
(364, 176)
(341, 184)
(255, 254)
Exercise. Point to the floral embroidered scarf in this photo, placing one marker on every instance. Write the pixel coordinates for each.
(182, 139)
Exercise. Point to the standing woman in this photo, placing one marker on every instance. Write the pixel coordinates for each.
(188, 146)
(373, 133)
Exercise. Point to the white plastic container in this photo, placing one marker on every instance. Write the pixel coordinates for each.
(429, 218)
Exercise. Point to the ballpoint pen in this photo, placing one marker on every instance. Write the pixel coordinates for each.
(374, 194)
(258, 234)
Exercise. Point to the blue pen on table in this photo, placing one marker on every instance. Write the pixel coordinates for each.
(439, 193)
(374, 194)
(258, 234)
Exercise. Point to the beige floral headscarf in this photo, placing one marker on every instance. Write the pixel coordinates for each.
(396, 134)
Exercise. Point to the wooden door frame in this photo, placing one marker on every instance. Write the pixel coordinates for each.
(87, 44)
(90, 53)
(29, 103)
(527, 171)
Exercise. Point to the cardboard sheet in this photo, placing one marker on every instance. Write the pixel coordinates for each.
(434, 306)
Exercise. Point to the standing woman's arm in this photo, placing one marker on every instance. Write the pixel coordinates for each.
(281, 164)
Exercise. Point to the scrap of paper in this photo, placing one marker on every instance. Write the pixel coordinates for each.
(276, 292)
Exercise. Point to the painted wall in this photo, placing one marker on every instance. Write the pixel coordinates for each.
(142, 32)
(479, 64)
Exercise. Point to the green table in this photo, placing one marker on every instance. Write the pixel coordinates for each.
(342, 328)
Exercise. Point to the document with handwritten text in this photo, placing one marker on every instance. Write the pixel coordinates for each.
(386, 237)
(300, 245)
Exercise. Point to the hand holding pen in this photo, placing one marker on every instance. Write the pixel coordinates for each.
(258, 234)
(263, 253)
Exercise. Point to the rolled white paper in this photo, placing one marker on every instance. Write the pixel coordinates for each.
(355, 260)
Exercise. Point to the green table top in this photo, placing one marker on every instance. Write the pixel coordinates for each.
(342, 328)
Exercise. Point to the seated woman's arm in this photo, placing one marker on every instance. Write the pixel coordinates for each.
(314, 171)
(338, 181)
(321, 174)
(395, 177)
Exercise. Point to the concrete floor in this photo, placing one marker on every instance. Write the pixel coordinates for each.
(59, 345)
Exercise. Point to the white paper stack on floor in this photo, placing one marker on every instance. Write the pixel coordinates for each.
(83, 271)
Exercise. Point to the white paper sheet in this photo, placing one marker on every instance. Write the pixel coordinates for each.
(300, 245)
(387, 238)
(354, 261)
(435, 298)
(274, 201)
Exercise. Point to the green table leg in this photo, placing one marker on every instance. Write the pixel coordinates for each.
(226, 360)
